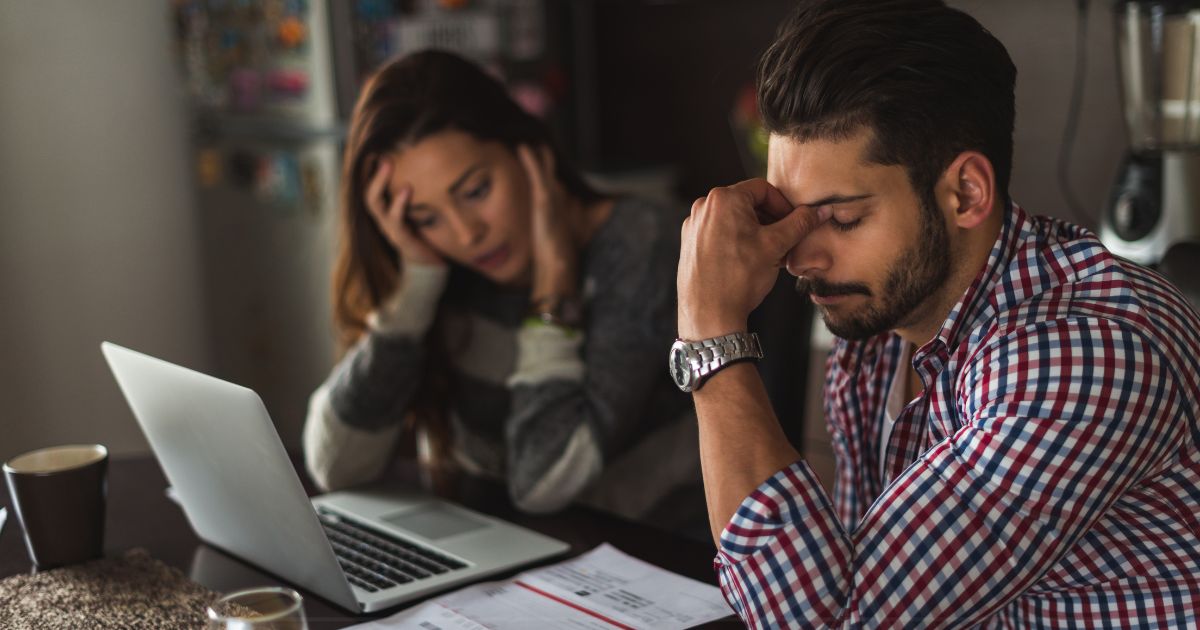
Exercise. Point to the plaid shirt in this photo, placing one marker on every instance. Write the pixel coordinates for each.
(1048, 475)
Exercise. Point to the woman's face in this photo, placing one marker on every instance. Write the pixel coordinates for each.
(470, 202)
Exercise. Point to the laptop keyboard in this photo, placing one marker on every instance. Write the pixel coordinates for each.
(375, 560)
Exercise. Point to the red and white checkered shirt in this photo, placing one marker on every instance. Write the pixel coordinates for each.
(1048, 475)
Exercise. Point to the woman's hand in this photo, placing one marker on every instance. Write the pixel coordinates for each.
(554, 219)
(390, 217)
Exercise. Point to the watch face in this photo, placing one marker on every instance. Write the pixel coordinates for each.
(680, 370)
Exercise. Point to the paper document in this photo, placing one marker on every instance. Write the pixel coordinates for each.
(602, 589)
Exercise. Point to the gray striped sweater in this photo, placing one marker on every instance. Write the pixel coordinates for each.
(559, 417)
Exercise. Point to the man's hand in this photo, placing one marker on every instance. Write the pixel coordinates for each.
(732, 247)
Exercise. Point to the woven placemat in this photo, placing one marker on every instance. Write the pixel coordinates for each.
(133, 591)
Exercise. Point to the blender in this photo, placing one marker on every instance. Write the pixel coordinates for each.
(1153, 217)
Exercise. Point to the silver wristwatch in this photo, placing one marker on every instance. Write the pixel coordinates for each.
(691, 362)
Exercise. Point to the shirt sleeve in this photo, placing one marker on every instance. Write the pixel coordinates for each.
(355, 416)
(580, 396)
(1061, 418)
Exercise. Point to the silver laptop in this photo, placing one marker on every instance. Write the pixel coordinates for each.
(362, 550)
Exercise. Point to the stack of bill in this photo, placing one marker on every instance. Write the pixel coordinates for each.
(602, 589)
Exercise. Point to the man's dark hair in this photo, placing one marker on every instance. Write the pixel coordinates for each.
(928, 80)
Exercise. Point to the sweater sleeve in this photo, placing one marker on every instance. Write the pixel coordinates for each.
(355, 416)
(579, 396)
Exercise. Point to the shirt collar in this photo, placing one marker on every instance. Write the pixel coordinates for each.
(982, 300)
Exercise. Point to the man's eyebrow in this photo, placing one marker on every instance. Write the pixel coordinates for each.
(463, 178)
(835, 199)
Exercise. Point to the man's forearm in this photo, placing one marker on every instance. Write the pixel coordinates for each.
(728, 263)
(741, 442)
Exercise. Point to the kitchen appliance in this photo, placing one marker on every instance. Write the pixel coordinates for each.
(1154, 211)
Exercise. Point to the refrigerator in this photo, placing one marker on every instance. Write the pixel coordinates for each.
(270, 85)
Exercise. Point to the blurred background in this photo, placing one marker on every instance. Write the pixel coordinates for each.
(168, 168)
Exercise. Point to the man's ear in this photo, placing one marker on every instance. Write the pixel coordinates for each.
(968, 188)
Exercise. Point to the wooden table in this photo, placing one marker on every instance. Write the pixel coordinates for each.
(140, 515)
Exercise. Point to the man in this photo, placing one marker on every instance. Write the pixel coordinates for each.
(1013, 409)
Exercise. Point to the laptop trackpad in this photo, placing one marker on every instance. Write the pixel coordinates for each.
(433, 521)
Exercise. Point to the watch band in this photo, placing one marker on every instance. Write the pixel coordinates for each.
(558, 310)
(701, 359)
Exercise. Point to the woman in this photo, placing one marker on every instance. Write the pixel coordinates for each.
(516, 315)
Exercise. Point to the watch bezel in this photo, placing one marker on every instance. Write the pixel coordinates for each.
(681, 370)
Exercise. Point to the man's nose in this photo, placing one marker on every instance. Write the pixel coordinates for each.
(808, 256)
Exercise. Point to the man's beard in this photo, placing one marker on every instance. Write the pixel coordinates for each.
(919, 272)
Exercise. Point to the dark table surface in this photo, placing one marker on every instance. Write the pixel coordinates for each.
(140, 515)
